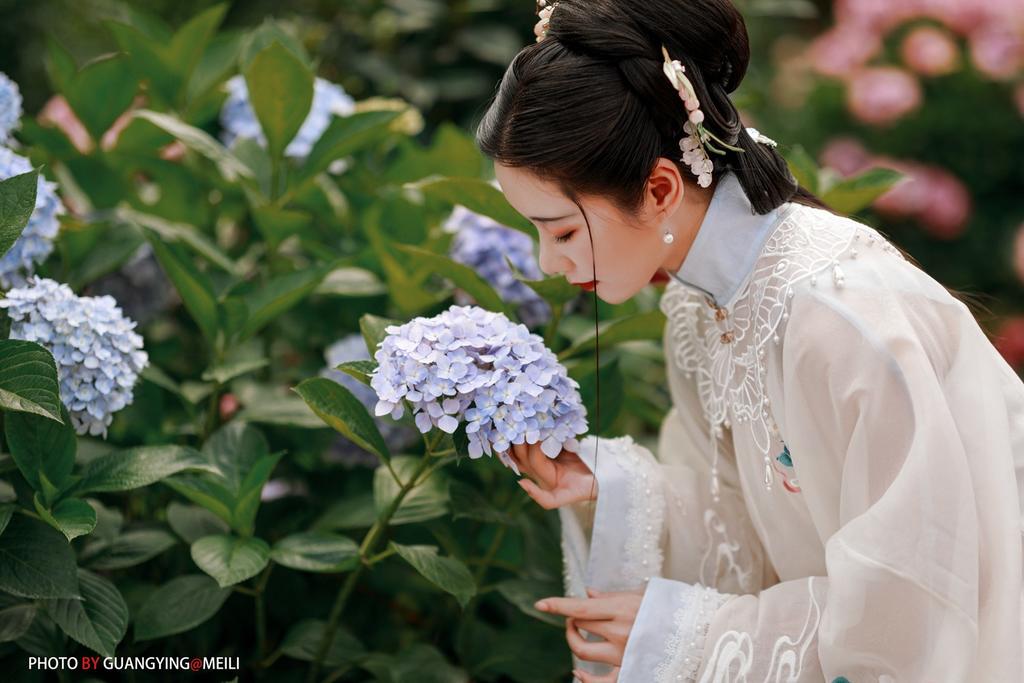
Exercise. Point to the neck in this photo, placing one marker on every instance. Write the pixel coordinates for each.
(686, 223)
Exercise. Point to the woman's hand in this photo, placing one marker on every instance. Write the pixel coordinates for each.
(556, 481)
(607, 614)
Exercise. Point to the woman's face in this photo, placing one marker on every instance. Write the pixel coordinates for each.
(628, 251)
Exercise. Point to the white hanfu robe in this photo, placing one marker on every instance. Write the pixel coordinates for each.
(801, 347)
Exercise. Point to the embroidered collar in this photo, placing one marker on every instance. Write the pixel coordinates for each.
(728, 242)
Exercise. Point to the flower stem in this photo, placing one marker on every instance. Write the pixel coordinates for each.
(368, 545)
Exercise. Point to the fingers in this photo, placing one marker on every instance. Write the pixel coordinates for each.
(544, 498)
(593, 651)
(584, 677)
(584, 608)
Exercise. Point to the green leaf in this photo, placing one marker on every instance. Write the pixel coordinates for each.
(43, 450)
(287, 411)
(230, 559)
(351, 282)
(28, 379)
(36, 561)
(649, 325)
(340, 409)
(17, 202)
(804, 168)
(277, 296)
(303, 643)
(316, 551)
(362, 370)
(277, 224)
(6, 512)
(137, 467)
(15, 620)
(72, 516)
(447, 573)
(523, 593)
(99, 620)
(853, 194)
(374, 329)
(476, 195)
(178, 606)
(229, 166)
(188, 235)
(101, 91)
(189, 43)
(224, 373)
(613, 391)
(353, 511)
(234, 449)
(192, 522)
(467, 501)
(243, 518)
(129, 549)
(462, 276)
(195, 288)
(281, 92)
(557, 291)
(346, 135)
(428, 500)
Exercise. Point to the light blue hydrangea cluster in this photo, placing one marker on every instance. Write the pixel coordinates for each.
(99, 355)
(36, 241)
(10, 106)
(482, 244)
(238, 120)
(397, 436)
(471, 364)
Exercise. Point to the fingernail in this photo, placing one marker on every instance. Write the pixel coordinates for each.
(541, 605)
(576, 673)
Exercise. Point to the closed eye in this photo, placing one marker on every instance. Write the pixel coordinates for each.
(566, 237)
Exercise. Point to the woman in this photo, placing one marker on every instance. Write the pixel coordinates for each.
(835, 495)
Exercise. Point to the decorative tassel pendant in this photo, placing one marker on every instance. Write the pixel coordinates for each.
(837, 275)
(714, 484)
(769, 473)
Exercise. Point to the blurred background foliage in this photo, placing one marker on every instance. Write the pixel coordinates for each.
(252, 268)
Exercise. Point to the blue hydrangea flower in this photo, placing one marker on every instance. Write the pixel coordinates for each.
(238, 119)
(36, 241)
(396, 436)
(473, 365)
(10, 106)
(482, 244)
(99, 355)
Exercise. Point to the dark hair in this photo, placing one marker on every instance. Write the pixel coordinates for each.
(590, 109)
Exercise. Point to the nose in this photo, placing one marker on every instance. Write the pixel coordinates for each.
(550, 261)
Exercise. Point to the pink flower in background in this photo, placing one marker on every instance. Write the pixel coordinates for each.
(930, 51)
(876, 15)
(846, 155)
(841, 50)
(948, 206)
(881, 95)
(997, 51)
(1010, 341)
(928, 194)
(1018, 252)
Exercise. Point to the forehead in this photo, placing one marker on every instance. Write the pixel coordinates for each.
(526, 189)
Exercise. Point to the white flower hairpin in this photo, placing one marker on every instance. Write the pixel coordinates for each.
(698, 141)
(544, 10)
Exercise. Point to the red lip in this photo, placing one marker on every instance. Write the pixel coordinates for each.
(588, 286)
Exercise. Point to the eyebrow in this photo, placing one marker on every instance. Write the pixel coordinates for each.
(551, 220)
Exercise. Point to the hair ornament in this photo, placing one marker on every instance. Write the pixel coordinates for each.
(544, 10)
(698, 140)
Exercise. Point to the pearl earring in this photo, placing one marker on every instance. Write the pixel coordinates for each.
(668, 237)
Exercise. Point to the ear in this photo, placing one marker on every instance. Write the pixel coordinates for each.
(665, 189)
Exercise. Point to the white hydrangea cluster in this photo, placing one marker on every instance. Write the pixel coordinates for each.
(10, 106)
(238, 120)
(99, 355)
(36, 241)
(471, 364)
